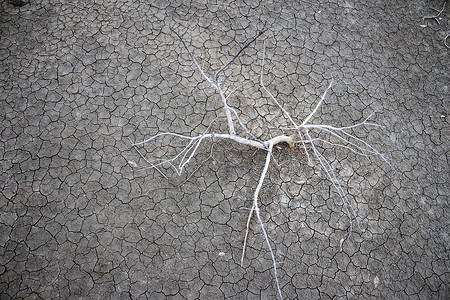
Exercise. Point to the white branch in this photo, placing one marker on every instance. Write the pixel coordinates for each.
(288, 116)
(258, 216)
(296, 134)
(335, 182)
(318, 104)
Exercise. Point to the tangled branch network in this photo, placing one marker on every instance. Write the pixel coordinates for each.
(300, 135)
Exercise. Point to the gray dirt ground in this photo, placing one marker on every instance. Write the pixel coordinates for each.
(79, 219)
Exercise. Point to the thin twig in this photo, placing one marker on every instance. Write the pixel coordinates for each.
(288, 116)
(191, 55)
(437, 17)
(318, 104)
(445, 41)
(247, 229)
(201, 164)
(216, 77)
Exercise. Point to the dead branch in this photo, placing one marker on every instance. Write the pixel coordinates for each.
(301, 133)
(437, 17)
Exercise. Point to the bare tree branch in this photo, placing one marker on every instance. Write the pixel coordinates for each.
(301, 133)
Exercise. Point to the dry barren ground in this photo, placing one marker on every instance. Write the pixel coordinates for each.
(79, 219)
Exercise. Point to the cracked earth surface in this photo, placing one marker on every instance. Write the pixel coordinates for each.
(81, 80)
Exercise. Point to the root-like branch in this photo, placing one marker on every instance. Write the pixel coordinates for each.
(301, 133)
(255, 208)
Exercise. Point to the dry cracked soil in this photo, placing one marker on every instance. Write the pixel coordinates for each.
(82, 218)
